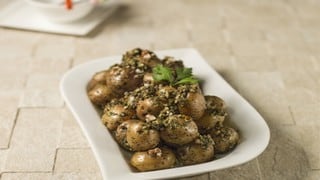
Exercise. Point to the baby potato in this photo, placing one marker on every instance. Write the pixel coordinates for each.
(100, 94)
(149, 58)
(98, 78)
(149, 106)
(141, 56)
(201, 150)
(121, 79)
(179, 130)
(158, 158)
(194, 105)
(121, 133)
(140, 137)
(170, 62)
(214, 102)
(166, 93)
(209, 120)
(225, 138)
(114, 115)
(214, 115)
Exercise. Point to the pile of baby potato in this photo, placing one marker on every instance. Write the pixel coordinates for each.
(156, 110)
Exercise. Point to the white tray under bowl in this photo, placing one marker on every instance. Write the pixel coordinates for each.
(254, 131)
(19, 15)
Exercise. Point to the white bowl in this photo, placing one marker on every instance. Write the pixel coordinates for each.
(56, 11)
(113, 161)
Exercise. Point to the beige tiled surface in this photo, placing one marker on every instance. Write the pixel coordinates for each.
(75, 160)
(268, 50)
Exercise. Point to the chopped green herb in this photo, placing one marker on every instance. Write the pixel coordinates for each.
(161, 73)
(183, 73)
(188, 80)
(176, 76)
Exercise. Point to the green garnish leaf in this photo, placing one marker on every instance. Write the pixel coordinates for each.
(183, 73)
(187, 80)
(176, 76)
(162, 73)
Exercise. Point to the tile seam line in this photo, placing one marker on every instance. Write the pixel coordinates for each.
(41, 107)
(292, 116)
(13, 127)
(25, 172)
(71, 148)
(259, 169)
(54, 161)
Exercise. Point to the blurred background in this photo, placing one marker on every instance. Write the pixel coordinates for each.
(268, 50)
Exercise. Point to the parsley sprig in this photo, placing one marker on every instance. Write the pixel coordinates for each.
(176, 76)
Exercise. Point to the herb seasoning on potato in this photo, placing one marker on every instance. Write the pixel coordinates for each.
(156, 110)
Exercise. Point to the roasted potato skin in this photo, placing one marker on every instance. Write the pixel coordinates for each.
(172, 63)
(195, 152)
(141, 56)
(121, 79)
(225, 138)
(215, 102)
(114, 115)
(179, 130)
(100, 94)
(149, 58)
(151, 106)
(120, 134)
(193, 105)
(209, 121)
(140, 137)
(214, 115)
(166, 93)
(154, 159)
(97, 78)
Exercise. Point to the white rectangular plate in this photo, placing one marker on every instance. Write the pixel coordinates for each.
(253, 129)
(19, 15)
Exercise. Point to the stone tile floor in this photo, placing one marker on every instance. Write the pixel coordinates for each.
(267, 49)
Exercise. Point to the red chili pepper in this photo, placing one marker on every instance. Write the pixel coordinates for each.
(68, 4)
